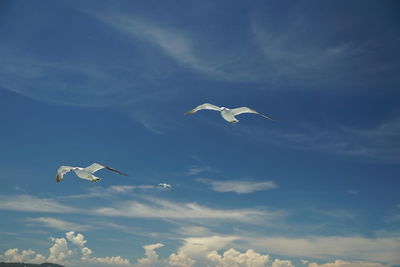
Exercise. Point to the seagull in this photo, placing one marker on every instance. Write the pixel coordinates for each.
(84, 173)
(165, 186)
(226, 113)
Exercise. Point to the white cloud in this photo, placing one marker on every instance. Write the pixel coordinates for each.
(27, 256)
(341, 263)
(30, 203)
(239, 186)
(151, 256)
(59, 252)
(233, 258)
(196, 247)
(77, 240)
(111, 261)
(59, 224)
(180, 260)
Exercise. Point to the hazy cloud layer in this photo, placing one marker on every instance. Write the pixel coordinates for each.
(349, 247)
(238, 186)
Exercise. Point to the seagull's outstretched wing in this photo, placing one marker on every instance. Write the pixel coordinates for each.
(237, 111)
(61, 171)
(203, 106)
(96, 166)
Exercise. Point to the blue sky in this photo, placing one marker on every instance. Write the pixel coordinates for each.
(108, 82)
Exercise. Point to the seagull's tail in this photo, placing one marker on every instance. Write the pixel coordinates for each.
(189, 112)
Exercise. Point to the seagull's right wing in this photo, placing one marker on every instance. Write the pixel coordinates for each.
(203, 106)
(61, 171)
(96, 166)
(237, 111)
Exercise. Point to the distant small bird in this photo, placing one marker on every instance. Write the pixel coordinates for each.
(165, 186)
(226, 113)
(84, 173)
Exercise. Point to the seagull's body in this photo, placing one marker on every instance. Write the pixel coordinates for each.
(84, 173)
(226, 113)
(165, 186)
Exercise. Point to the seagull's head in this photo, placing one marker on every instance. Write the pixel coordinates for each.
(234, 121)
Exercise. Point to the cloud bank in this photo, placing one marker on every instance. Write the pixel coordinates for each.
(72, 250)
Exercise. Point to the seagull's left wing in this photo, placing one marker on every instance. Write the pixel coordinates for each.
(237, 111)
(203, 106)
(96, 166)
(61, 171)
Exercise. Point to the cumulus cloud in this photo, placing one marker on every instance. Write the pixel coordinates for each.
(239, 186)
(233, 258)
(151, 255)
(212, 251)
(195, 250)
(71, 250)
(29, 256)
(59, 252)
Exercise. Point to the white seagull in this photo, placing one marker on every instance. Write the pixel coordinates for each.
(84, 173)
(226, 113)
(165, 186)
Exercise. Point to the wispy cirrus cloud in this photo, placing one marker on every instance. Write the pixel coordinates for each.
(60, 224)
(35, 76)
(111, 191)
(195, 170)
(29, 203)
(380, 142)
(163, 209)
(143, 207)
(238, 186)
(171, 41)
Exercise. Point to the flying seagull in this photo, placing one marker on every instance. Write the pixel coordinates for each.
(226, 113)
(84, 173)
(165, 186)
